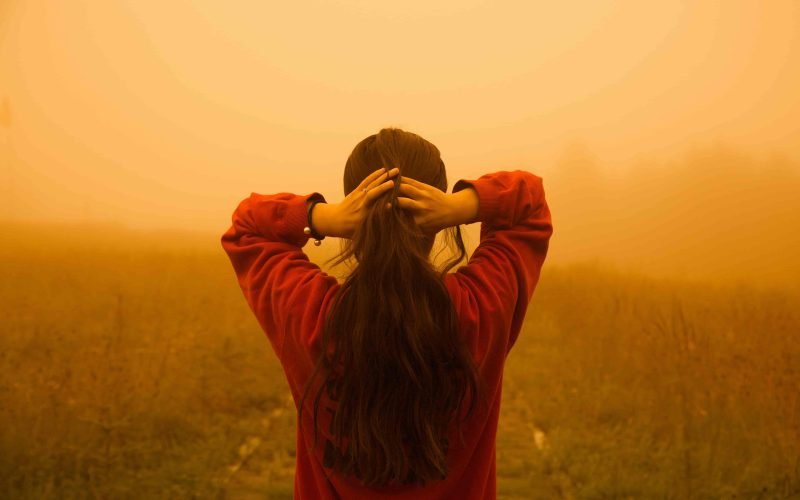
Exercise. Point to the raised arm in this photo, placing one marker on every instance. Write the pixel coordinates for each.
(497, 284)
(493, 290)
(283, 288)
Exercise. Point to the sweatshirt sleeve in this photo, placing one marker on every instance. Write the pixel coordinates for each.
(283, 288)
(497, 283)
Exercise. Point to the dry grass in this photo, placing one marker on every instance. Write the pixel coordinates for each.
(650, 389)
(137, 372)
(126, 373)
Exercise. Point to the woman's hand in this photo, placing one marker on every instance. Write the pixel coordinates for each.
(434, 209)
(340, 219)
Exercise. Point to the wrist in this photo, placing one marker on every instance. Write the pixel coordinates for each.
(321, 220)
(465, 206)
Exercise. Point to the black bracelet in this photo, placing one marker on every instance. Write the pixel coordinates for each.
(309, 229)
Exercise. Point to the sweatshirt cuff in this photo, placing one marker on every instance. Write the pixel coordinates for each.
(289, 226)
(488, 198)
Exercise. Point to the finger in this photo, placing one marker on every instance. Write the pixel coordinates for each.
(379, 190)
(415, 183)
(381, 178)
(408, 203)
(411, 191)
(370, 178)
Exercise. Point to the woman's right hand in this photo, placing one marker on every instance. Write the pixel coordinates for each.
(434, 209)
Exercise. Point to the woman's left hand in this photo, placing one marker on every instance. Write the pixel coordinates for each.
(340, 220)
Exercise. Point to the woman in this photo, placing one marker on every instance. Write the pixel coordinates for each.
(399, 368)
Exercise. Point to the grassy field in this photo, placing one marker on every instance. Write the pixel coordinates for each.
(131, 369)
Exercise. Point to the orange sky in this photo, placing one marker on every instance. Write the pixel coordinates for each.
(166, 114)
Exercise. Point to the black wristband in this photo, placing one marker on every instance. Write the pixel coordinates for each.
(313, 233)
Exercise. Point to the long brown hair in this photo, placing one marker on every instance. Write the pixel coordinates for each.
(392, 356)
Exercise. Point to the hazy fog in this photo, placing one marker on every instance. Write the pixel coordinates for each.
(668, 133)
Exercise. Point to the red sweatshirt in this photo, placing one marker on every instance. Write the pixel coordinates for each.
(290, 295)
